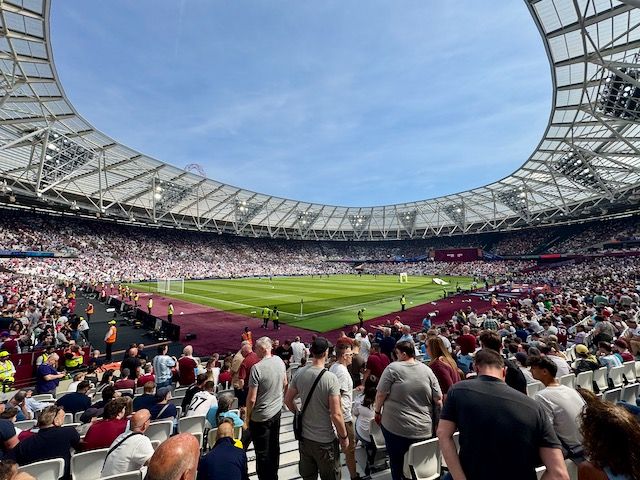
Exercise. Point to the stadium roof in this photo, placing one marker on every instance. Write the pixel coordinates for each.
(586, 164)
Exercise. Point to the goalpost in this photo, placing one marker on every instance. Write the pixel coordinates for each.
(170, 285)
(403, 278)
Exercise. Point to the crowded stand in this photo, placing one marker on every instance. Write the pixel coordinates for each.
(554, 356)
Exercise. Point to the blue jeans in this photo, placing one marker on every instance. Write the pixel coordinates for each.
(165, 383)
(397, 447)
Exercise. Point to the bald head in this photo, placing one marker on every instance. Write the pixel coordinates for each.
(140, 420)
(225, 429)
(175, 459)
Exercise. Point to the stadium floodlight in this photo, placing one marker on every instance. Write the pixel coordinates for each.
(619, 94)
(167, 194)
(63, 157)
(360, 223)
(305, 220)
(245, 211)
(576, 166)
(516, 200)
(407, 219)
(456, 212)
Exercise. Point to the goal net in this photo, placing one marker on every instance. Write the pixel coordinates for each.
(170, 285)
(403, 278)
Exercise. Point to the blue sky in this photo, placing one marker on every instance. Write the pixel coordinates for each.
(339, 102)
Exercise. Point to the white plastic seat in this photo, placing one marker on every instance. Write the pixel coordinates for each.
(160, 430)
(177, 401)
(540, 471)
(68, 418)
(42, 397)
(179, 392)
(155, 444)
(568, 380)
(76, 417)
(572, 468)
(630, 393)
(378, 441)
(637, 365)
(45, 470)
(570, 353)
(630, 372)
(137, 475)
(61, 394)
(193, 425)
(125, 391)
(422, 461)
(211, 440)
(585, 380)
(88, 465)
(600, 379)
(616, 376)
(25, 424)
(533, 388)
(612, 395)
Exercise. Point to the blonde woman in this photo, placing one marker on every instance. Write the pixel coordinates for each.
(442, 363)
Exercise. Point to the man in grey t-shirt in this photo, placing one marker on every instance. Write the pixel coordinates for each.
(319, 449)
(267, 382)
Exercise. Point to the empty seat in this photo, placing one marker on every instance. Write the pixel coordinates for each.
(585, 380)
(88, 465)
(68, 418)
(600, 379)
(137, 475)
(568, 380)
(76, 417)
(637, 363)
(533, 388)
(193, 425)
(25, 424)
(612, 395)
(616, 376)
(43, 397)
(160, 430)
(422, 461)
(630, 372)
(179, 392)
(46, 470)
(630, 393)
(125, 391)
(378, 441)
(177, 401)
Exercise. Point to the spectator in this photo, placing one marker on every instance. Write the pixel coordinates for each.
(131, 450)
(249, 360)
(621, 350)
(47, 377)
(363, 410)
(8, 435)
(147, 376)
(408, 392)
(442, 364)
(175, 459)
(225, 460)
(319, 449)
(187, 367)
(387, 343)
(487, 411)
(53, 440)
(219, 412)
(611, 436)
(132, 364)
(125, 382)
(376, 363)
(298, 351)
(203, 400)
(606, 356)
(102, 433)
(562, 405)
(356, 368)
(192, 390)
(163, 408)
(466, 341)
(514, 377)
(77, 401)
(267, 382)
(162, 367)
(584, 362)
(148, 398)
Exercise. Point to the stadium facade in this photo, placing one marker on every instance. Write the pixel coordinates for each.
(586, 165)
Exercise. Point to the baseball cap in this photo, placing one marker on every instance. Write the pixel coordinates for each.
(580, 348)
(319, 346)
(4, 353)
(162, 392)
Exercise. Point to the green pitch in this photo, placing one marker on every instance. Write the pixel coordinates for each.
(314, 303)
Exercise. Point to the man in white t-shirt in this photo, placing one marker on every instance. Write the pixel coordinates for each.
(131, 450)
(344, 356)
(203, 400)
(298, 351)
(562, 405)
(365, 343)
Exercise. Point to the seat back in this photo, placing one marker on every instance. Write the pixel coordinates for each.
(585, 380)
(137, 475)
(637, 365)
(540, 471)
(612, 395)
(88, 465)
(616, 375)
(630, 372)
(377, 436)
(568, 380)
(25, 424)
(572, 468)
(211, 441)
(422, 461)
(600, 379)
(125, 391)
(68, 418)
(42, 396)
(160, 430)
(46, 470)
(193, 424)
(533, 388)
(630, 393)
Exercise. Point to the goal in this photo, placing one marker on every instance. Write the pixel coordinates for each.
(403, 278)
(170, 285)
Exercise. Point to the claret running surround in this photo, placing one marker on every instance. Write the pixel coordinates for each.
(586, 164)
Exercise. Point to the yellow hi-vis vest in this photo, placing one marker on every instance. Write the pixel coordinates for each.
(7, 370)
